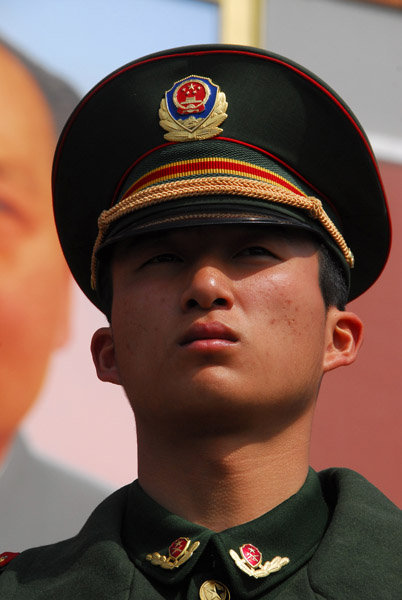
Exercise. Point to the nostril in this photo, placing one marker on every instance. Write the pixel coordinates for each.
(220, 301)
(191, 303)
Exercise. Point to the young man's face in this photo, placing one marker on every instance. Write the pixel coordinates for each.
(218, 322)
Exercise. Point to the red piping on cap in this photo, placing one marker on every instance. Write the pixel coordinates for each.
(131, 167)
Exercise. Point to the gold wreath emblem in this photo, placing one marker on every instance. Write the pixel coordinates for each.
(193, 128)
(270, 566)
(169, 562)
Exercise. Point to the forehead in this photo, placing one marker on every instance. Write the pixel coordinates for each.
(26, 126)
(27, 140)
(23, 105)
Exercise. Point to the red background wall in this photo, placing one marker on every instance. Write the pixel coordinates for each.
(359, 415)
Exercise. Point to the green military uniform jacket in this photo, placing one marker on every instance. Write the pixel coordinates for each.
(341, 536)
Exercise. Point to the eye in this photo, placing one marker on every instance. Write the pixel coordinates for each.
(255, 251)
(7, 208)
(166, 257)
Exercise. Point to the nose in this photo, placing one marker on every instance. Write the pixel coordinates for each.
(207, 287)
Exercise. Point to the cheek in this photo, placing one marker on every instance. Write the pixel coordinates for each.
(290, 331)
(33, 297)
(34, 289)
(291, 309)
(139, 322)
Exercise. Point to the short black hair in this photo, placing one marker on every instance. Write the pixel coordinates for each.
(104, 282)
(332, 280)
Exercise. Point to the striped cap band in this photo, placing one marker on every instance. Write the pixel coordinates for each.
(209, 167)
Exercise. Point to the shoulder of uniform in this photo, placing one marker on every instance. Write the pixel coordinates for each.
(6, 558)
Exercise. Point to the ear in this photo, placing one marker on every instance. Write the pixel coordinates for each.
(103, 355)
(344, 338)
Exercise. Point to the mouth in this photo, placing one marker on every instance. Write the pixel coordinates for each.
(207, 334)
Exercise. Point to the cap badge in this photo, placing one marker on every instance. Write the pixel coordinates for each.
(179, 552)
(192, 109)
(250, 563)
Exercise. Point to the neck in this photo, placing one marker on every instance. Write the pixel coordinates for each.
(222, 481)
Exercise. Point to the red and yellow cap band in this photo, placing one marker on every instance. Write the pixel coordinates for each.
(209, 167)
(214, 185)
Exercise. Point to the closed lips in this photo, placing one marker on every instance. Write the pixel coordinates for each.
(210, 331)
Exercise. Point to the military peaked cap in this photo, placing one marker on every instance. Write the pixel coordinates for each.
(217, 134)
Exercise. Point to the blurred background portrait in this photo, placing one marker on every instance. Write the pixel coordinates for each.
(40, 501)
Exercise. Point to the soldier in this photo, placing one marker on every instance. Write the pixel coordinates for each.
(221, 204)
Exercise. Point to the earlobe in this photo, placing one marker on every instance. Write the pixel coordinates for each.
(103, 355)
(345, 336)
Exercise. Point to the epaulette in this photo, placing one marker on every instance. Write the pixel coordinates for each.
(6, 558)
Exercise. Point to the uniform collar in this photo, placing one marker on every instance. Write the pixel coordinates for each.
(293, 530)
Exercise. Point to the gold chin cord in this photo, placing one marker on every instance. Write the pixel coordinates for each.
(215, 186)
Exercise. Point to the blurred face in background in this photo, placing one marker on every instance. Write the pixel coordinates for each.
(33, 275)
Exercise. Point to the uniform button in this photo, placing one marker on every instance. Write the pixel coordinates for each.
(214, 590)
